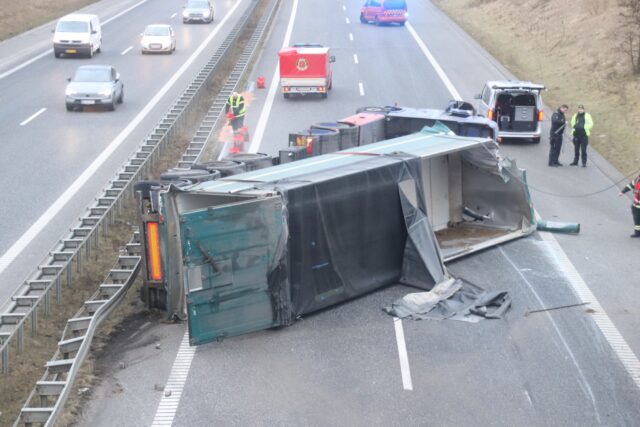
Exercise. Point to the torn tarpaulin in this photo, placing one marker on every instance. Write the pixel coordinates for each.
(454, 299)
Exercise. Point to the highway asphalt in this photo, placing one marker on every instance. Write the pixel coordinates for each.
(43, 155)
(341, 366)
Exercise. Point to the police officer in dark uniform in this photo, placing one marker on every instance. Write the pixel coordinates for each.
(558, 124)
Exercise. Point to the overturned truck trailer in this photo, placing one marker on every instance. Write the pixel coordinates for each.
(259, 249)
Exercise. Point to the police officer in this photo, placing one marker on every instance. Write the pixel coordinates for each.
(558, 124)
(235, 105)
(581, 122)
(635, 207)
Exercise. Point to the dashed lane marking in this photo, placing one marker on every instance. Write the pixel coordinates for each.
(33, 116)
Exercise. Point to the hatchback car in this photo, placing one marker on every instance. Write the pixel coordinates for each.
(197, 11)
(384, 12)
(516, 107)
(158, 38)
(94, 85)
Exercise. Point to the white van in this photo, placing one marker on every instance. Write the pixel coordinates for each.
(77, 34)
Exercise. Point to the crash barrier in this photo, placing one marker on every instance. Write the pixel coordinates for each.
(100, 215)
(46, 400)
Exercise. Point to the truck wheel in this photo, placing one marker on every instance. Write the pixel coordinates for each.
(371, 110)
(362, 20)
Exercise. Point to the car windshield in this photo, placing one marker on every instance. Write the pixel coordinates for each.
(395, 4)
(198, 5)
(92, 75)
(156, 31)
(72, 27)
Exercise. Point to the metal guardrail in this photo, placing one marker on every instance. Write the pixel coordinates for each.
(76, 339)
(61, 370)
(58, 265)
(211, 122)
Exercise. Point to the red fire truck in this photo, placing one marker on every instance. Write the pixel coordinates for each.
(305, 68)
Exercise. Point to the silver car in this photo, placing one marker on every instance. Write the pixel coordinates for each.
(94, 85)
(158, 38)
(197, 11)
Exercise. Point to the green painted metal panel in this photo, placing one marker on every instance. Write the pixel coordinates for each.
(229, 251)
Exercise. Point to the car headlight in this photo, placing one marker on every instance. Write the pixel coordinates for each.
(70, 92)
(185, 14)
(105, 92)
(206, 13)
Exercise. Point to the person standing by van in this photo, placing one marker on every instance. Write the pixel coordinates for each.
(581, 122)
(558, 125)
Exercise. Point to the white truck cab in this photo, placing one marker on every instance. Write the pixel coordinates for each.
(77, 34)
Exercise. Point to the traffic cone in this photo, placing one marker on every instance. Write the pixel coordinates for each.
(260, 82)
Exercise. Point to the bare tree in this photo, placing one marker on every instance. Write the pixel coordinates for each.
(630, 27)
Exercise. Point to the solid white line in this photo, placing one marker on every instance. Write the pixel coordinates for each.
(173, 16)
(355, 58)
(347, 20)
(168, 405)
(557, 254)
(10, 255)
(583, 379)
(351, 36)
(402, 354)
(124, 52)
(602, 320)
(50, 51)
(434, 63)
(361, 87)
(268, 103)
(40, 111)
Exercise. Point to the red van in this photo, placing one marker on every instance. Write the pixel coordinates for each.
(384, 12)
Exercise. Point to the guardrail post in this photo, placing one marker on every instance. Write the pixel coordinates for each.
(78, 260)
(20, 338)
(58, 286)
(34, 320)
(5, 360)
(47, 303)
(69, 275)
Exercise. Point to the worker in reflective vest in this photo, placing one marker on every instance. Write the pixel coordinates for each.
(635, 207)
(235, 110)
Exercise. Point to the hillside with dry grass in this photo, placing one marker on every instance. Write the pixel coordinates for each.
(577, 49)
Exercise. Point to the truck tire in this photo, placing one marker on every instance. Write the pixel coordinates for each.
(371, 110)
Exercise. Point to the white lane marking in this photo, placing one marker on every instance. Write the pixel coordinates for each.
(40, 111)
(50, 51)
(351, 36)
(436, 66)
(268, 103)
(124, 52)
(173, 16)
(12, 253)
(361, 87)
(402, 354)
(583, 379)
(174, 387)
(612, 335)
(355, 58)
(347, 20)
(557, 254)
(344, 7)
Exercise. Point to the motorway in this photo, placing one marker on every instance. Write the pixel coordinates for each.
(342, 366)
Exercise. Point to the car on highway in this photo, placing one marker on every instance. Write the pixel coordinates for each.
(516, 106)
(158, 38)
(77, 34)
(197, 11)
(384, 12)
(94, 85)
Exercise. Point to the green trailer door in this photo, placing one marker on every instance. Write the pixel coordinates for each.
(228, 253)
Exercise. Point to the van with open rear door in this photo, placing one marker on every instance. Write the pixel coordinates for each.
(516, 107)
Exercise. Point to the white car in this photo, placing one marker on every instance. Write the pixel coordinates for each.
(158, 38)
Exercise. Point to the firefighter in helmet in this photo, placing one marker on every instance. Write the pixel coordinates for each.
(235, 110)
(635, 207)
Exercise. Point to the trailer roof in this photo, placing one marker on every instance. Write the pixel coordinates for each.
(427, 143)
(305, 50)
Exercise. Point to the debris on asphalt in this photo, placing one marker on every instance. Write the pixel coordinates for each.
(556, 308)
